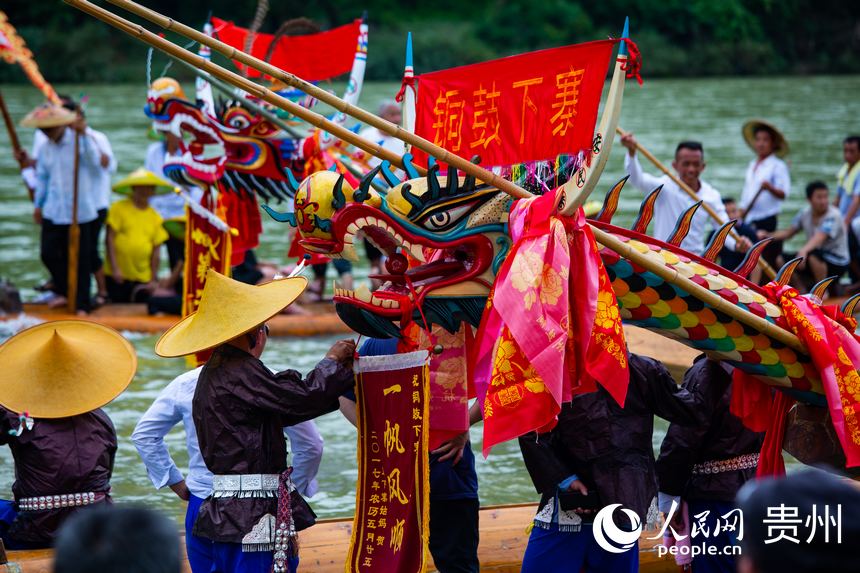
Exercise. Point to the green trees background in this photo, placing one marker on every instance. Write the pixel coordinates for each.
(676, 37)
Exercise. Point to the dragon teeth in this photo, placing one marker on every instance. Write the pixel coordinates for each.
(363, 294)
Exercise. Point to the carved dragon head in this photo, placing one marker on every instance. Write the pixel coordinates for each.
(236, 148)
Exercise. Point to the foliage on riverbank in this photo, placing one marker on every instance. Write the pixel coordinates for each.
(677, 37)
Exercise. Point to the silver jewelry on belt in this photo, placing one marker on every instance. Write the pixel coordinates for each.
(245, 485)
(744, 462)
(49, 502)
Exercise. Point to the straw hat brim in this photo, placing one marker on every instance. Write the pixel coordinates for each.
(47, 116)
(64, 368)
(141, 178)
(229, 311)
(780, 143)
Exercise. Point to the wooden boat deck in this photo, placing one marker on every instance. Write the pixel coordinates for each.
(324, 546)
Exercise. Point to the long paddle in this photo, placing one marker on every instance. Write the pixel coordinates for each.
(768, 270)
(74, 236)
(13, 139)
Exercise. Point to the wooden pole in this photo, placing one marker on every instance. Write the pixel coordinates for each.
(714, 300)
(74, 235)
(768, 270)
(358, 113)
(13, 139)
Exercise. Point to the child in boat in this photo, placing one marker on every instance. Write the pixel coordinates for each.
(134, 233)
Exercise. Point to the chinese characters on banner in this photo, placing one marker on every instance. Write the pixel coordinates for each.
(522, 108)
(205, 246)
(391, 515)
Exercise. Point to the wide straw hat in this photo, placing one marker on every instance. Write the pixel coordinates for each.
(139, 178)
(49, 115)
(64, 368)
(780, 144)
(228, 308)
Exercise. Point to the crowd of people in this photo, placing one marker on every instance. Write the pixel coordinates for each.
(238, 414)
(830, 223)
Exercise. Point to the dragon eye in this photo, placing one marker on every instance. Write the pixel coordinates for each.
(439, 220)
(239, 122)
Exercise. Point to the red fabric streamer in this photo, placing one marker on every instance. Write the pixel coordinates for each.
(312, 57)
(633, 65)
(408, 81)
(751, 400)
(770, 461)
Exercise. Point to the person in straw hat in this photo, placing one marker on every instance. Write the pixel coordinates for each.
(135, 231)
(55, 378)
(240, 408)
(55, 180)
(767, 182)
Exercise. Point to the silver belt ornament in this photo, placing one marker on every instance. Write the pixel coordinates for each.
(245, 485)
(744, 462)
(50, 502)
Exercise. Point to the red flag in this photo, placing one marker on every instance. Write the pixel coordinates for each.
(312, 57)
(391, 514)
(528, 107)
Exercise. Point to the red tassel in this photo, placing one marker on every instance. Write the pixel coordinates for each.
(633, 65)
(408, 81)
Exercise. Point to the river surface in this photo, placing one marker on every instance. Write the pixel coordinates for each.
(815, 113)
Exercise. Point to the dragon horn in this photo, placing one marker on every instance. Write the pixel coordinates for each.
(433, 180)
(338, 199)
(849, 305)
(820, 288)
(452, 180)
(682, 227)
(610, 202)
(751, 258)
(409, 167)
(364, 187)
(289, 218)
(784, 274)
(646, 211)
(406, 191)
(389, 176)
(718, 241)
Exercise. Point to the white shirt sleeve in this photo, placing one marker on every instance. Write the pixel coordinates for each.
(306, 445)
(638, 178)
(781, 177)
(148, 438)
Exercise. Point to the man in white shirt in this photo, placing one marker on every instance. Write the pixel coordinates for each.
(673, 201)
(767, 181)
(172, 406)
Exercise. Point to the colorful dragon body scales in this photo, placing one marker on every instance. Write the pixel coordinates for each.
(457, 231)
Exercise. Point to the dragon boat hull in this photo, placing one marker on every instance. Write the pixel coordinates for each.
(324, 546)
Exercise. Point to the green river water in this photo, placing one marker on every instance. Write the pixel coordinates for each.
(816, 113)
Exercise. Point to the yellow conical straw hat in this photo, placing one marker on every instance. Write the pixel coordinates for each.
(139, 178)
(64, 368)
(780, 143)
(228, 308)
(49, 115)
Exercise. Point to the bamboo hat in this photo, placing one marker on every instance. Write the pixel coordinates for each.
(228, 308)
(49, 115)
(142, 177)
(64, 368)
(780, 144)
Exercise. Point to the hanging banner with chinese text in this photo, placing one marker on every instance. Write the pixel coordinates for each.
(205, 246)
(390, 529)
(528, 107)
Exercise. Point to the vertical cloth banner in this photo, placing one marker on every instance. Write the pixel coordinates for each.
(205, 247)
(390, 531)
(522, 108)
(313, 57)
(14, 51)
(448, 378)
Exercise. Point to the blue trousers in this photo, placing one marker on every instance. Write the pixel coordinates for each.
(713, 563)
(553, 550)
(199, 549)
(229, 558)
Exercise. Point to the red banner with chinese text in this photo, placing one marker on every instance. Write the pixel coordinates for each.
(205, 247)
(390, 530)
(14, 51)
(528, 107)
(312, 57)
